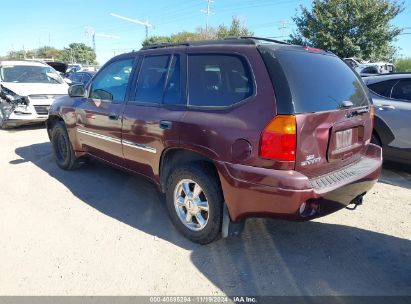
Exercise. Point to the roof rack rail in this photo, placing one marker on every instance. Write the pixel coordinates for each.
(226, 40)
(164, 45)
(263, 39)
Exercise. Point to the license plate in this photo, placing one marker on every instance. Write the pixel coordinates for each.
(344, 139)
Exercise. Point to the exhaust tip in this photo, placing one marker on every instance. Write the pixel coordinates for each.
(309, 208)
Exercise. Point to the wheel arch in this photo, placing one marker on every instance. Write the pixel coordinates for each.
(383, 131)
(173, 157)
(51, 120)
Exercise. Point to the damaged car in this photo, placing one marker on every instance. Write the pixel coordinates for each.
(27, 89)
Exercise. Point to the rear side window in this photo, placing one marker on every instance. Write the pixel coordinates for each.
(402, 90)
(173, 93)
(314, 82)
(383, 88)
(218, 80)
(152, 78)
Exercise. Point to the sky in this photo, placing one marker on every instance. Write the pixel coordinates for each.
(36, 23)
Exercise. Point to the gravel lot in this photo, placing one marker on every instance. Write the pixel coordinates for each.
(99, 231)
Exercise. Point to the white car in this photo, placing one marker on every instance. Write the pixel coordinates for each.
(27, 89)
(365, 67)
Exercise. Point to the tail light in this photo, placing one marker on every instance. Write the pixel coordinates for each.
(372, 114)
(279, 139)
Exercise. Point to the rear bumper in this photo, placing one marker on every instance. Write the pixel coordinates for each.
(258, 192)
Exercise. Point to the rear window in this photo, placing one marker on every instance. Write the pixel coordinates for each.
(314, 82)
(383, 88)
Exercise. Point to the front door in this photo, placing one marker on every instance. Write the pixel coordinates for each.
(99, 117)
(151, 120)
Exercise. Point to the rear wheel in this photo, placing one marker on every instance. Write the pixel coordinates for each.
(195, 202)
(62, 148)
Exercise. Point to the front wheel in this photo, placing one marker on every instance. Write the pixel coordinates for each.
(62, 148)
(3, 124)
(195, 202)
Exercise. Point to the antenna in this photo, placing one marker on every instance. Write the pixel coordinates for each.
(208, 12)
(146, 24)
(90, 32)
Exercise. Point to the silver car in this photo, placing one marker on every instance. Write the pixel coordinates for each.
(391, 95)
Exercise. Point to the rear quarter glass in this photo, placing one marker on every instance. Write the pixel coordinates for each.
(315, 82)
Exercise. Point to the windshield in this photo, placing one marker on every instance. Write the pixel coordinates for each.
(29, 74)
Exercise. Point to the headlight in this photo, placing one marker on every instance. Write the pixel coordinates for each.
(12, 97)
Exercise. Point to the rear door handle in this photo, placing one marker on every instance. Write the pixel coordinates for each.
(166, 125)
(388, 107)
(113, 116)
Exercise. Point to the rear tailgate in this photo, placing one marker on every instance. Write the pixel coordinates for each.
(331, 105)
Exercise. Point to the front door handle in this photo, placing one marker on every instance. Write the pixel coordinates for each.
(166, 125)
(113, 116)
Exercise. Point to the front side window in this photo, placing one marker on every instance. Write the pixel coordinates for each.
(218, 80)
(402, 90)
(152, 78)
(111, 83)
(29, 74)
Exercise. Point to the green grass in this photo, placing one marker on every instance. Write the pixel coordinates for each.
(403, 65)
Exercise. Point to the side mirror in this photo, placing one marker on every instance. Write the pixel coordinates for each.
(77, 90)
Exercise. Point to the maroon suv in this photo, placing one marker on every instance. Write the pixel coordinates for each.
(227, 129)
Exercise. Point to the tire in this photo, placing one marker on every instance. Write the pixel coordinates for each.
(62, 148)
(376, 140)
(3, 124)
(205, 226)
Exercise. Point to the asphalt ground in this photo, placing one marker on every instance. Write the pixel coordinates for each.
(100, 231)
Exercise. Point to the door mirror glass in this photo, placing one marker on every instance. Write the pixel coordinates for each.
(77, 90)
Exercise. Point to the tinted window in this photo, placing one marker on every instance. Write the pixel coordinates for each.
(383, 88)
(86, 78)
(218, 80)
(152, 78)
(111, 82)
(370, 70)
(76, 77)
(402, 90)
(312, 82)
(172, 94)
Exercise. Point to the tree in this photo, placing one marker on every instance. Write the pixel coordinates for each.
(403, 65)
(359, 28)
(49, 53)
(237, 28)
(79, 53)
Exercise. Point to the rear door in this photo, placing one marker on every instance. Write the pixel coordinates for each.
(99, 116)
(330, 103)
(396, 112)
(152, 116)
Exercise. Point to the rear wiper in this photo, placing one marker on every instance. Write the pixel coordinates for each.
(346, 104)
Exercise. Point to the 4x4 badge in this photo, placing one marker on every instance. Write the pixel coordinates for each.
(311, 160)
